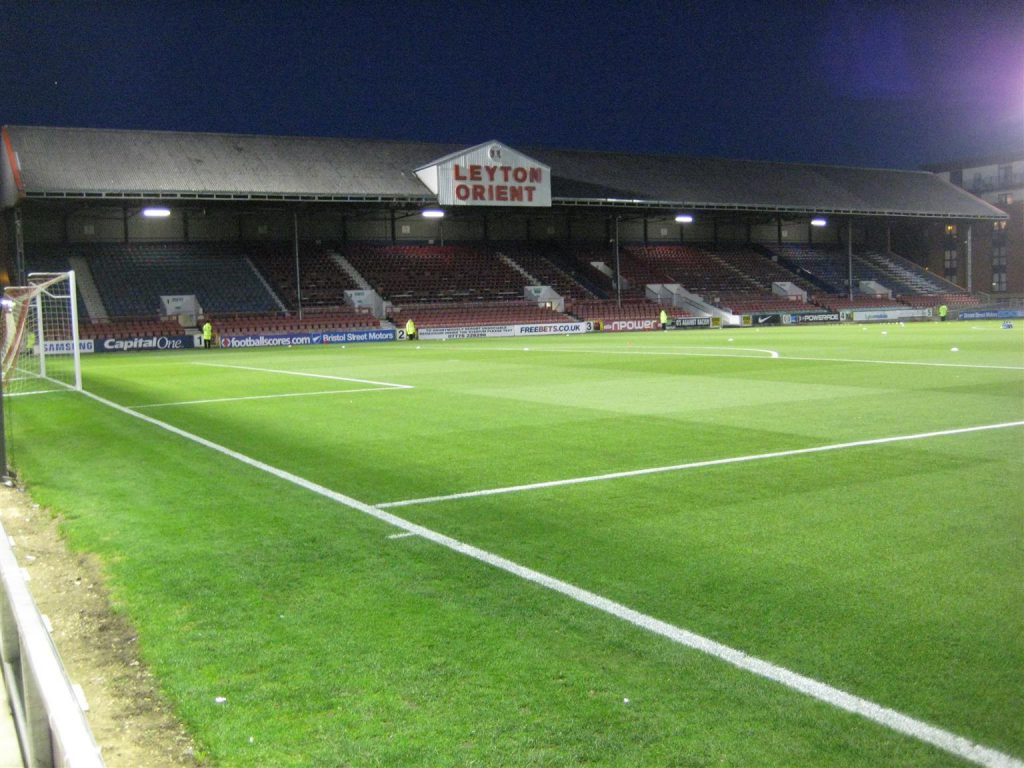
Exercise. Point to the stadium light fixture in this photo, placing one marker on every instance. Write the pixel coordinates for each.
(432, 213)
(684, 218)
(156, 213)
(819, 222)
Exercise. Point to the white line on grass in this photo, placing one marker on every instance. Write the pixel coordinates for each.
(771, 353)
(306, 375)
(692, 465)
(674, 352)
(906, 362)
(270, 397)
(896, 721)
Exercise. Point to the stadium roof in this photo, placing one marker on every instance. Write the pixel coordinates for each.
(79, 163)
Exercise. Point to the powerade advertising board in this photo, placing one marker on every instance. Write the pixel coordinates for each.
(245, 341)
(815, 317)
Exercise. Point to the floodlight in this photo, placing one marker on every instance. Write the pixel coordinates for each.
(156, 213)
(684, 218)
(432, 213)
(819, 222)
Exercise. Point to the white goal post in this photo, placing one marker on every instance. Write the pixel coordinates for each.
(41, 348)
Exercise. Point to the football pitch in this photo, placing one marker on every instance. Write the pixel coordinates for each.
(750, 547)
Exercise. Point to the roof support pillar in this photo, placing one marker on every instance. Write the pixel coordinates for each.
(970, 260)
(618, 274)
(298, 269)
(20, 276)
(849, 255)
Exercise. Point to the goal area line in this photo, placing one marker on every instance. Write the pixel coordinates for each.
(693, 465)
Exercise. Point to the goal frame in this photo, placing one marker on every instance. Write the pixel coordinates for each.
(29, 300)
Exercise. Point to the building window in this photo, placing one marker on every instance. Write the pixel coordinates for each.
(1005, 174)
(1004, 199)
(998, 282)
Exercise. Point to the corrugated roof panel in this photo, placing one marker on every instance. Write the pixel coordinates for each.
(79, 161)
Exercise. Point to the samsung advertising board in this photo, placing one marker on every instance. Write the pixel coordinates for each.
(490, 174)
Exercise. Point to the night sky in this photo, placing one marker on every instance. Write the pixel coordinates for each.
(885, 84)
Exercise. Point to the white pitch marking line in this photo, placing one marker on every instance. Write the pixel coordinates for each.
(270, 397)
(663, 352)
(692, 465)
(405, 535)
(307, 375)
(772, 353)
(906, 362)
(896, 721)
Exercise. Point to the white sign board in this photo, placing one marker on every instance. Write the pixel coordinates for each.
(488, 174)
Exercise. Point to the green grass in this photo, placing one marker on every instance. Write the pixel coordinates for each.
(894, 572)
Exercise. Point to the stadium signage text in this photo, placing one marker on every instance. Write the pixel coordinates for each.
(305, 339)
(820, 317)
(631, 325)
(880, 315)
(688, 323)
(139, 343)
(488, 174)
(501, 192)
(498, 331)
(67, 346)
(991, 314)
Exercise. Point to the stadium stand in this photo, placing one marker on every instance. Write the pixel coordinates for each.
(416, 274)
(323, 282)
(131, 277)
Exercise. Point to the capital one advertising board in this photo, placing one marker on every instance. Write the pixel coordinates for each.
(488, 174)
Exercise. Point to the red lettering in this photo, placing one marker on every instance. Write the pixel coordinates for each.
(519, 174)
(535, 175)
(491, 170)
(461, 191)
(501, 193)
(478, 190)
(515, 194)
(505, 171)
(474, 173)
(529, 193)
(458, 173)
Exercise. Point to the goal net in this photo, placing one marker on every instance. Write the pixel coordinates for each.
(40, 335)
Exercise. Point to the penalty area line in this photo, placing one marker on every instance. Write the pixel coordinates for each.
(269, 397)
(307, 375)
(876, 713)
(692, 465)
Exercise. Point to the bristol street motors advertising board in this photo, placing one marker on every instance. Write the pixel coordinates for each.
(488, 174)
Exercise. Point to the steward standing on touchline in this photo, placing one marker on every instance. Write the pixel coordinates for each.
(664, 320)
(943, 311)
(207, 334)
(410, 329)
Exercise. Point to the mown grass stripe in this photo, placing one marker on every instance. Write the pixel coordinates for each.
(889, 718)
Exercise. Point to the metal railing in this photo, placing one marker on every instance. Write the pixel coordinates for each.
(51, 725)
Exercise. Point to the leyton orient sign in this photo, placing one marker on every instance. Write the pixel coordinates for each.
(488, 174)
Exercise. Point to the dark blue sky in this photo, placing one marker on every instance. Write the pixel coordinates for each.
(886, 84)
